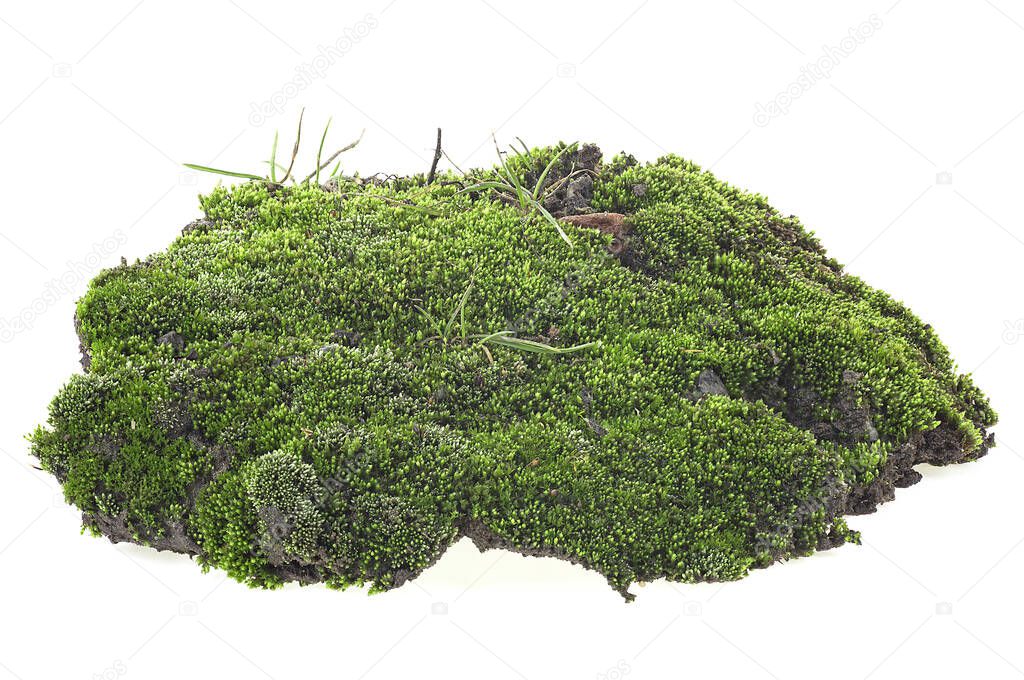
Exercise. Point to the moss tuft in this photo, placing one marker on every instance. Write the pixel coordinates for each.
(332, 384)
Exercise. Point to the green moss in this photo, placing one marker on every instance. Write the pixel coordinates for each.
(306, 421)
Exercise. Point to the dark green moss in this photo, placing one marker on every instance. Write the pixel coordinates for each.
(270, 394)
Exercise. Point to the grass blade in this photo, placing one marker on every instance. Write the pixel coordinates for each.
(431, 320)
(459, 310)
(295, 147)
(273, 160)
(526, 149)
(279, 167)
(506, 339)
(500, 186)
(337, 153)
(320, 151)
(550, 218)
(426, 210)
(229, 173)
(539, 187)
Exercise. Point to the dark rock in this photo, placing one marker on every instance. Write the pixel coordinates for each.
(347, 338)
(578, 192)
(570, 183)
(174, 339)
(708, 383)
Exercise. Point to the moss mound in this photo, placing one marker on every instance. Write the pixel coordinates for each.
(334, 383)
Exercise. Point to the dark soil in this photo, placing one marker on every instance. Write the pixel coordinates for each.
(573, 179)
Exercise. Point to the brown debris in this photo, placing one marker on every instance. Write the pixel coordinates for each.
(607, 223)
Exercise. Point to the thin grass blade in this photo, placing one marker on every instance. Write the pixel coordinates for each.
(334, 155)
(273, 160)
(430, 319)
(539, 187)
(295, 147)
(320, 151)
(551, 219)
(459, 309)
(479, 186)
(506, 339)
(217, 171)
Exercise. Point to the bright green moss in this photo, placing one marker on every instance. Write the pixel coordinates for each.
(272, 383)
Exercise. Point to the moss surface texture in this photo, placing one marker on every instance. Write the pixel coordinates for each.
(333, 383)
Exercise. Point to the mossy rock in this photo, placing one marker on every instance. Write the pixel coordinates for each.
(302, 387)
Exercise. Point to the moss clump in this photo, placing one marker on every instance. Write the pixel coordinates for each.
(302, 387)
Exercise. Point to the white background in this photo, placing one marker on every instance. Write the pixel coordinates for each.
(101, 103)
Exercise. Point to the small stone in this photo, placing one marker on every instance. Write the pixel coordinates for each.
(173, 339)
(708, 383)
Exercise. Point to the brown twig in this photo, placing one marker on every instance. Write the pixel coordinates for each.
(295, 148)
(454, 165)
(437, 158)
(335, 155)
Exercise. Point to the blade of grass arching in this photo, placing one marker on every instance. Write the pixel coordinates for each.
(334, 172)
(462, 323)
(539, 187)
(506, 339)
(539, 347)
(295, 147)
(422, 209)
(431, 320)
(507, 176)
(279, 167)
(459, 309)
(486, 337)
(551, 219)
(273, 160)
(229, 173)
(491, 184)
(526, 149)
(454, 165)
(521, 194)
(503, 189)
(513, 183)
(426, 210)
(497, 149)
(334, 155)
(320, 151)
